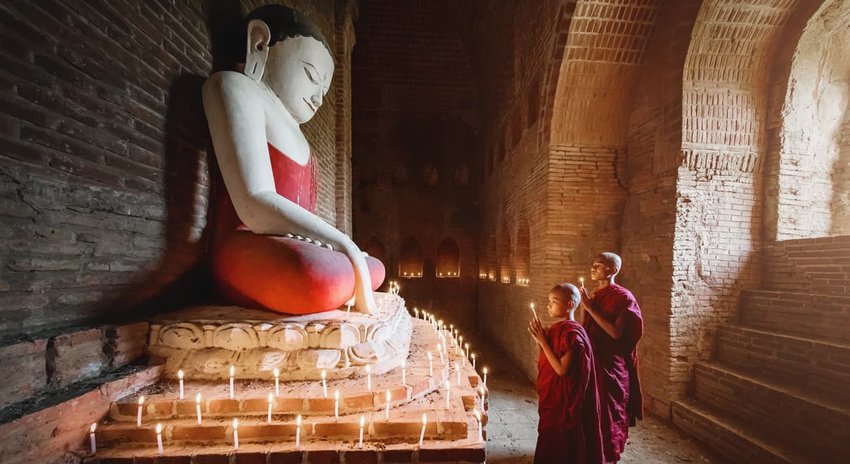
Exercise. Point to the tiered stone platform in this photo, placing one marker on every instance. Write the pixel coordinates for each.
(451, 433)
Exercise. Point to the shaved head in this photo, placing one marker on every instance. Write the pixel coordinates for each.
(567, 292)
(610, 259)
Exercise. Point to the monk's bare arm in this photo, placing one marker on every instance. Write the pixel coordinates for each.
(614, 329)
(560, 366)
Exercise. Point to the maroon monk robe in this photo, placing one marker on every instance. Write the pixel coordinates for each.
(620, 398)
(569, 429)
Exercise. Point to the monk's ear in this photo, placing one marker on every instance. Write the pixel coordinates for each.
(257, 52)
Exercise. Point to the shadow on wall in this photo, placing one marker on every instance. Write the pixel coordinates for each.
(182, 275)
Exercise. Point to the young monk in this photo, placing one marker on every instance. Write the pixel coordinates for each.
(569, 428)
(614, 324)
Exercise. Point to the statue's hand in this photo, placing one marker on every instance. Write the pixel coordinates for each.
(364, 298)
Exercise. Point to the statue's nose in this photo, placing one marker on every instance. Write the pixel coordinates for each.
(316, 99)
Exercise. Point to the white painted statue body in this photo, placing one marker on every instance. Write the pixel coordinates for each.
(281, 87)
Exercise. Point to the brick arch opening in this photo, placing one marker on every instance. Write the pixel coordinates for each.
(448, 259)
(812, 183)
(523, 254)
(410, 262)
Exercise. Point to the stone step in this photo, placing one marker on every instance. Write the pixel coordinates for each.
(800, 418)
(804, 363)
(734, 440)
(819, 265)
(47, 426)
(817, 316)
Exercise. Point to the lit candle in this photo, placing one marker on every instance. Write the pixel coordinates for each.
(387, 411)
(159, 438)
(232, 373)
(485, 376)
(581, 281)
(533, 312)
(180, 377)
(271, 400)
(336, 403)
(466, 349)
(276, 373)
(448, 394)
(430, 364)
(362, 423)
(198, 407)
(481, 394)
(404, 372)
(298, 432)
(459, 342)
(369, 377)
(139, 413)
(235, 433)
(480, 431)
(473, 360)
(416, 310)
(424, 423)
(92, 441)
(440, 350)
(451, 332)
(325, 382)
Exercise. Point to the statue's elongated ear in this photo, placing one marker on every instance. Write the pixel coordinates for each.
(258, 49)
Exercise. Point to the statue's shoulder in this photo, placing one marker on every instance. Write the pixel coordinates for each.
(224, 83)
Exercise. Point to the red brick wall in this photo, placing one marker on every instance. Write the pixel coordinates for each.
(414, 122)
(104, 175)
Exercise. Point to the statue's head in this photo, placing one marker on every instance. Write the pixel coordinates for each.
(289, 54)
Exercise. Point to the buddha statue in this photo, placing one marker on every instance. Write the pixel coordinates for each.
(270, 250)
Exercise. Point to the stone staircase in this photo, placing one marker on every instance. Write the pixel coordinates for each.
(330, 431)
(777, 388)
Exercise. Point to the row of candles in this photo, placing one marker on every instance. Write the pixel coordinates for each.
(442, 349)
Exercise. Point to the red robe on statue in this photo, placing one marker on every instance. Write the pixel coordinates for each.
(620, 396)
(569, 429)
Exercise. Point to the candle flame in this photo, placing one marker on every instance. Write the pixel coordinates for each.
(298, 421)
(429, 355)
(198, 398)
(388, 396)
(180, 374)
(403, 363)
(235, 424)
(473, 355)
(424, 418)
(232, 370)
(271, 398)
(324, 374)
(532, 306)
(276, 372)
(362, 421)
(485, 370)
(141, 400)
(336, 394)
(158, 429)
(368, 368)
(93, 426)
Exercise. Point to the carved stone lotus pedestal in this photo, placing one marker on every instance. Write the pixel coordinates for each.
(205, 341)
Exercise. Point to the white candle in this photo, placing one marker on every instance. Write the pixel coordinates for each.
(271, 401)
(325, 382)
(369, 377)
(533, 312)
(459, 342)
(430, 364)
(235, 433)
(448, 394)
(362, 423)
(466, 350)
(387, 412)
(159, 438)
(180, 377)
(485, 376)
(276, 373)
(480, 431)
(424, 423)
(232, 373)
(473, 360)
(581, 281)
(336, 403)
(139, 413)
(298, 432)
(404, 372)
(451, 332)
(198, 407)
(457, 369)
(417, 312)
(440, 350)
(92, 441)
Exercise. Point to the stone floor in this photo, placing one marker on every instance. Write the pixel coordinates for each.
(512, 427)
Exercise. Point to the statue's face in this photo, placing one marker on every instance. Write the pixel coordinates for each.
(299, 72)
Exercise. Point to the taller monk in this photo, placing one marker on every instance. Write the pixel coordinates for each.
(611, 316)
(269, 248)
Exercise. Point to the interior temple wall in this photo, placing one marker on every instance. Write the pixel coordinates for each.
(105, 173)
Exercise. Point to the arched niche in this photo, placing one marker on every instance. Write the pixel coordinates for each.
(410, 262)
(448, 260)
(523, 254)
(504, 261)
(810, 193)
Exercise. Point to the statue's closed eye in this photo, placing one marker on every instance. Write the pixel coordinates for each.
(311, 75)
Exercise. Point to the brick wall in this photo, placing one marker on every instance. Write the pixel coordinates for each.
(415, 114)
(105, 173)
